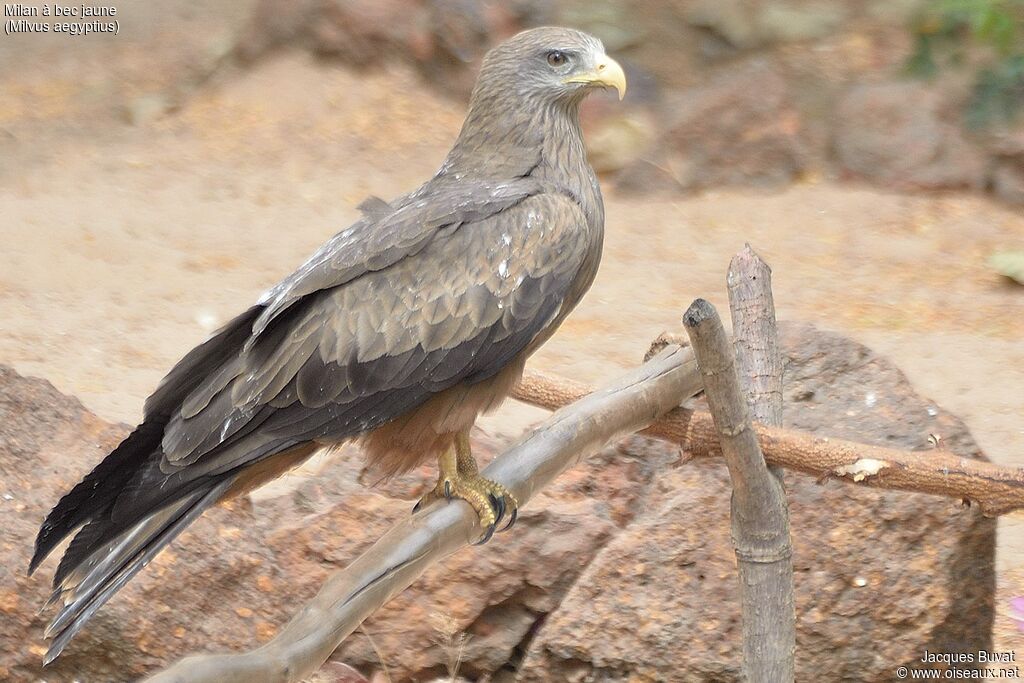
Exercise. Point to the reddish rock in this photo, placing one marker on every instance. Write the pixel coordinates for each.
(568, 589)
(880, 576)
(739, 129)
(185, 600)
(895, 133)
(493, 596)
(236, 575)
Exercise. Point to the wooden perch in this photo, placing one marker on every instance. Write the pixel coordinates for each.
(762, 530)
(402, 554)
(996, 489)
(760, 525)
(755, 337)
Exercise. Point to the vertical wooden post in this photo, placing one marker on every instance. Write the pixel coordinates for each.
(760, 521)
(759, 367)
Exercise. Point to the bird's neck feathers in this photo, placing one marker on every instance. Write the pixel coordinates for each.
(507, 138)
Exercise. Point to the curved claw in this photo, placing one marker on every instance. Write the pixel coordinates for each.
(511, 520)
(498, 503)
(490, 500)
(487, 535)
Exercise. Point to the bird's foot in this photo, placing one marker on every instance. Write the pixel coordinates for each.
(489, 499)
(459, 478)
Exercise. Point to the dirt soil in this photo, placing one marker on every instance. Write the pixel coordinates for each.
(123, 246)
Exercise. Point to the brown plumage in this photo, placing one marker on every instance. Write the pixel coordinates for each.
(399, 331)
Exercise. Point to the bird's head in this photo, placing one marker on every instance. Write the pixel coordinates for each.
(549, 64)
(527, 96)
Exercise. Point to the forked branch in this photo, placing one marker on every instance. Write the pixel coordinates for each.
(760, 532)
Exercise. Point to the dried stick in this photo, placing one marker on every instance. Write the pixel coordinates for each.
(755, 337)
(998, 490)
(758, 506)
(766, 585)
(404, 552)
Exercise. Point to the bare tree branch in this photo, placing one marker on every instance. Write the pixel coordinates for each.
(402, 554)
(760, 529)
(997, 489)
(755, 338)
(769, 618)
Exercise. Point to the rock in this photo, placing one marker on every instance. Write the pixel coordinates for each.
(739, 129)
(788, 22)
(598, 578)
(880, 576)
(619, 26)
(444, 39)
(749, 92)
(236, 575)
(274, 23)
(894, 133)
(1008, 180)
(748, 25)
(733, 21)
(47, 442)
(495, 596)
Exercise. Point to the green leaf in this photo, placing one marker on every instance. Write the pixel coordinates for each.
(1009, 264)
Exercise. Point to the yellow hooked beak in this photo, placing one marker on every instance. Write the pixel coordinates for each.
(607, 73)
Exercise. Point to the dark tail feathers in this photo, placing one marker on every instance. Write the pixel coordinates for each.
(106, 553)
(91, 581)
(94, 495)
(92, 498)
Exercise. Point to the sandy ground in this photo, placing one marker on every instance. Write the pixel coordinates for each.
(122, 247)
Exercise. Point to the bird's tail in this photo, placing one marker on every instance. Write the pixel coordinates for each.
(108, 566)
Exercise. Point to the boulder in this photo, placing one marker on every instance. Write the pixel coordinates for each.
(598, 579)
(236, 575)
(739, 129)
(206, 591)
(880, 576)
(895, 133)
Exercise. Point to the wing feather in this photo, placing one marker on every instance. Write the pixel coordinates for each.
(459, 310)
(382, 239)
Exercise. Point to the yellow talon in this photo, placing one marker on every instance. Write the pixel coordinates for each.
(458, 477)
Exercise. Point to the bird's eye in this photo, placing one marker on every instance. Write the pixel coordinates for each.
(557, 58)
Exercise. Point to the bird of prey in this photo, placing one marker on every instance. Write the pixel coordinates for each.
(398, 332)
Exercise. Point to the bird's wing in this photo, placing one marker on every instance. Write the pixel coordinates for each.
(384, 235)
(389, 233)
(352, 353)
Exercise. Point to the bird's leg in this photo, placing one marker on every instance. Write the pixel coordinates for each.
(458, 477)
(501, 498)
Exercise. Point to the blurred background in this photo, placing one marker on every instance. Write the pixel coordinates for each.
(155, 182)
